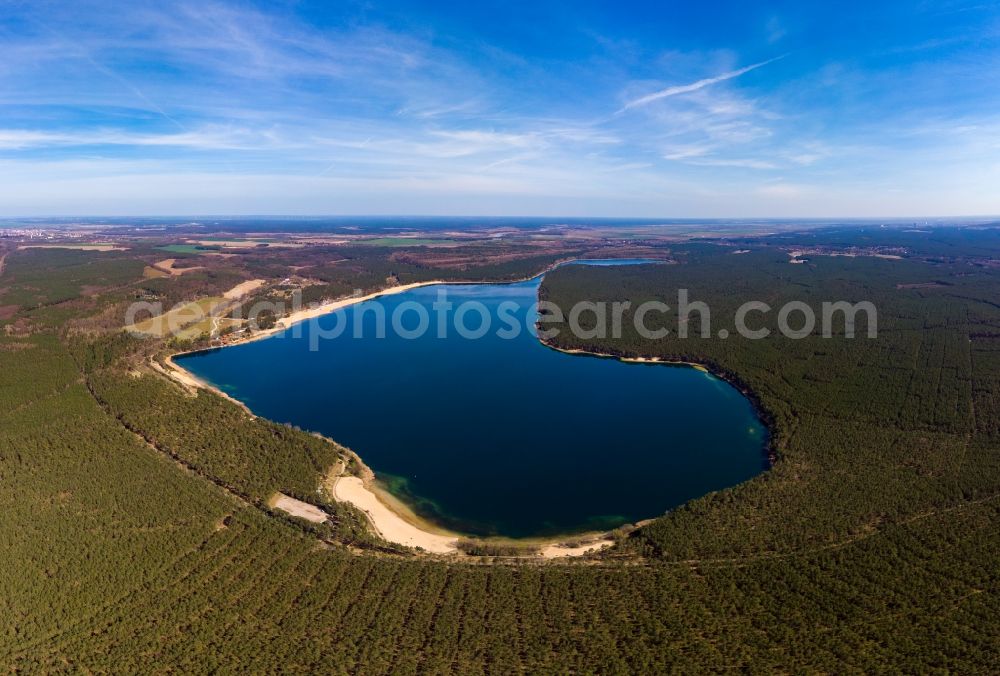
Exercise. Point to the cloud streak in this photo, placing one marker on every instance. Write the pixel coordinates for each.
(694, 86)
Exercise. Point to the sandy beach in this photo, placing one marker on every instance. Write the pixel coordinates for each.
(182, 376)
(306, 314)
(389, 525)
(629, 360)
(191, 382)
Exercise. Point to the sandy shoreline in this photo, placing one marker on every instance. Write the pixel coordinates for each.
(386, 523)
(632, 360)
(305, 314)
(734, 381)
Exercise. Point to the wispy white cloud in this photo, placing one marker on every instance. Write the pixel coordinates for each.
(686, 152)
(204, 138)
(739, 163)
(694, 86)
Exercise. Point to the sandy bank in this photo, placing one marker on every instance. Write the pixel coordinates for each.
(628, 360)
(182, 376)
(306, 314)
(389, 525)
(191, 382)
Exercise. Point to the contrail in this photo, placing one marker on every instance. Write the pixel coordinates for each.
(135, 90)
(694, 86)
(105, 70)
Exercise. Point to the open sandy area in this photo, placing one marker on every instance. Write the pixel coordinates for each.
(302, 510)
(168, 264)
(558, 551)
(244, 289)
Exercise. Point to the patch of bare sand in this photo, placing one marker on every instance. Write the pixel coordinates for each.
(557, 551)
(167, 266)
(244, 289)
(302, 510)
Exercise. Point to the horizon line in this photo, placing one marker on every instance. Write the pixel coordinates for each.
(494, 216)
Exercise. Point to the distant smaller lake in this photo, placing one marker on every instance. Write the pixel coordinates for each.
(500, 436)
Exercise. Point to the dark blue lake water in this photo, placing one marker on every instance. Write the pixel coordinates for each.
(497, 435)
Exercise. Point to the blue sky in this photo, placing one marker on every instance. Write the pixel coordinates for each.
(500, 108)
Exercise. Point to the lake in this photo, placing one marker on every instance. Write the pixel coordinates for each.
(496, 435)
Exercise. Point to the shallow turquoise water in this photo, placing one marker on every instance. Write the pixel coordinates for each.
(498, 435)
